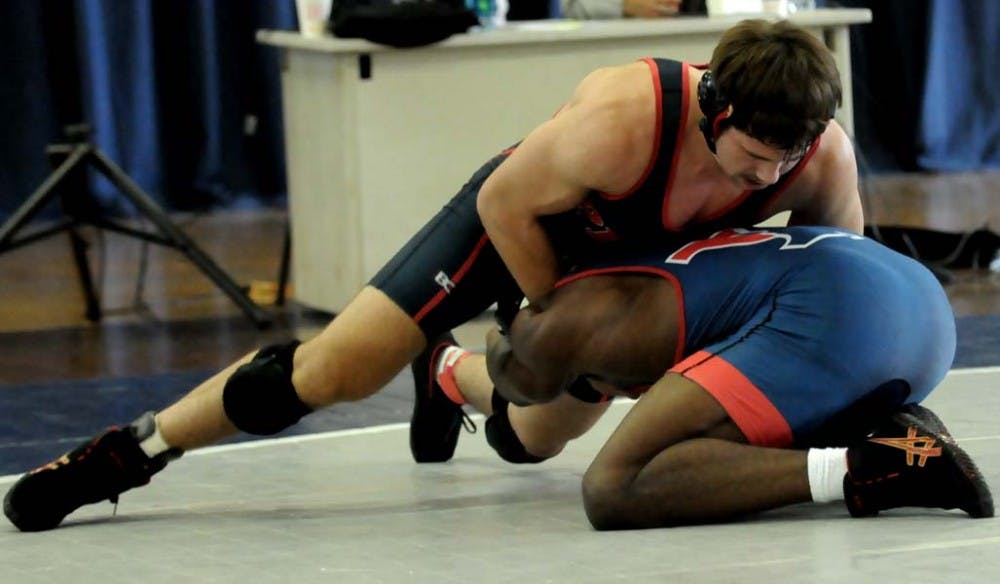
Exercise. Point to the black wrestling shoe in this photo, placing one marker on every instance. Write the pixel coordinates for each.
(98, 470)
(436, 420)
(913, 461)
(928, 418)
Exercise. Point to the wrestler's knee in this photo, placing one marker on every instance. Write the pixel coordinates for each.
(613, 501)
(259, 398)
(322, 374)
(603, 495)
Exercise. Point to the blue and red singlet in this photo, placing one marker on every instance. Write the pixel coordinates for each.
(787, 327)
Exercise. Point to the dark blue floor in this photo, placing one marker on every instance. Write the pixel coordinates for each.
(978, 341)
(44, 420)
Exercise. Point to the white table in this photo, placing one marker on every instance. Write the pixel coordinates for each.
(377, 139)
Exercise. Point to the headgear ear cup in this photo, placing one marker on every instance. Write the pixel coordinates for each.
(713, 105)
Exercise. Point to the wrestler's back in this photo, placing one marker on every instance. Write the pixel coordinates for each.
(836, 297)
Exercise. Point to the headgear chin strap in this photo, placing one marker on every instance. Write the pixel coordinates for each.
(714, 107)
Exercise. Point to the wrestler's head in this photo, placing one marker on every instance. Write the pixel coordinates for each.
(772, 88)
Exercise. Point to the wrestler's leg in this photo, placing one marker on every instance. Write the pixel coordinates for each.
(443, 276)
(677, 458)
(363, 348)
(368, 343)
(353, 357)
(543, 430)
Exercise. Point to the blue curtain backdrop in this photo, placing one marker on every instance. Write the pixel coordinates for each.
(184, 99)
(925, 84)
(26, 105)
(178, 92)
(960, 127)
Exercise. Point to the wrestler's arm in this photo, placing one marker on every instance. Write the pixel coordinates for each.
(552, 342)
(550, 172)
(534, 363)
(831, 182)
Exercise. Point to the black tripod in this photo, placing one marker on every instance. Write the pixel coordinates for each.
(68, 161)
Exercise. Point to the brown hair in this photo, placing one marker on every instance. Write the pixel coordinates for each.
(781, 81)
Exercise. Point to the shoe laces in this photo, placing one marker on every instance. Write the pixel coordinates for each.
(468, 424)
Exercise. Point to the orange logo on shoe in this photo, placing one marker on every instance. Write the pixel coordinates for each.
(64, 459)
(922, 447)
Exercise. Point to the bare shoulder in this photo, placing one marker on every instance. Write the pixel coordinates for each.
(607, 125)
(613, 99)
(827, 189)
(611, 83)
(589, 145)
(592, 143)
(836, 150)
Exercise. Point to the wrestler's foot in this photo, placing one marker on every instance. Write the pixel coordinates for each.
(913, 462)
(436, 420)
(97, 470)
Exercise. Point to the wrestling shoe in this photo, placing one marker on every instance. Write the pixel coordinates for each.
(912, 461)
(97, 470)
(436, 420)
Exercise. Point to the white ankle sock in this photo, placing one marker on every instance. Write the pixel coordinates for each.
(827, 469)
(155, 444)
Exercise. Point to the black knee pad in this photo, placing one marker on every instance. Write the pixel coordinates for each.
(259, 397)
(500, 435)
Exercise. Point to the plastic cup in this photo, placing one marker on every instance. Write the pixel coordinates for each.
(313, 15)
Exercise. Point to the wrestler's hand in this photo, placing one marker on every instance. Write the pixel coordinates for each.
(518, 384)
(503, 367)
(507, 309)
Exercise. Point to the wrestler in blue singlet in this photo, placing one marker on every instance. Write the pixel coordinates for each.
(786, 327)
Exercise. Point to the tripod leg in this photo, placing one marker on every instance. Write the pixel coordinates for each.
(79, 246)
(179, 240)
(286, 252)
(38, 199)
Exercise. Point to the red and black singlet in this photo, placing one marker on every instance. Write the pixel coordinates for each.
(639, 217)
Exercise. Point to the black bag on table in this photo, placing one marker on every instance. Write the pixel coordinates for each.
(400, 23)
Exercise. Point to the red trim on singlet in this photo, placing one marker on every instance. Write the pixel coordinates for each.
(682, 124)
(456, 278)
(793, 175)
(681, 324)
(747, 406)
(658, 93)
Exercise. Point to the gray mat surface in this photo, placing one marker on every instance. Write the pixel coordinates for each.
(351, 506)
